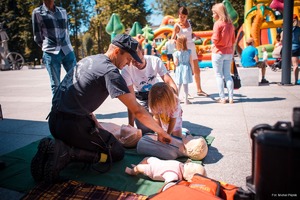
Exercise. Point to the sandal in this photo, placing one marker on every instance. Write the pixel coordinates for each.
(203, 94)
(223, 101)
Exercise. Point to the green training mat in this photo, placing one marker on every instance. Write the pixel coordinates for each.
(16, 176)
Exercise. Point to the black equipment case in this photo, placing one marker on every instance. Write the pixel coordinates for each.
(276, 160)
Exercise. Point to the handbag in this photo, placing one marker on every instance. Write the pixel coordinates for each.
(235, 77)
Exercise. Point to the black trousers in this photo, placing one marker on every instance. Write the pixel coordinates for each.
(80, 132)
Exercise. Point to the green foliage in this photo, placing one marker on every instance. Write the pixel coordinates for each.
(17, 17)
(239, 7)
(95, 14)
(87, 43)
(129, 11)
(79, 14)
(100, 37)
(200, 13)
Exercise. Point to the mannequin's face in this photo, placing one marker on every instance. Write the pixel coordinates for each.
(187, 138)
(127, 130)
(129, 136)
(196, 147)
(190, 169)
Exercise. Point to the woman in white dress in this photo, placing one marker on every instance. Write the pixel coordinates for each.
(183, 27)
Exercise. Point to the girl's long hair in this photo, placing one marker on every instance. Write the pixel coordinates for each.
(221, 11)
(162, 101)
(181, 43)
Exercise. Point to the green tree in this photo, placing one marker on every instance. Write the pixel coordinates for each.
(17, 17)
(79, 14)
(101, 39)
(129, 11)
(200, 13)
(87, 43)
(239, 7)
(16, 14)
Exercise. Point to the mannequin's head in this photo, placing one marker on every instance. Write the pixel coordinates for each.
(189, 169)
(196, 147)
(129, 135)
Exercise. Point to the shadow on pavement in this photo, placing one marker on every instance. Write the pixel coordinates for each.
(260, 99)
(213, 156)
(196, 129)
(238, 98)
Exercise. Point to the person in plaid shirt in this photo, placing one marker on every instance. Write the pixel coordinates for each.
(51, 34)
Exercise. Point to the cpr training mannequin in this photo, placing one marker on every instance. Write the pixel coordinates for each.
(194, 147)
(126, 134)
(166, 170)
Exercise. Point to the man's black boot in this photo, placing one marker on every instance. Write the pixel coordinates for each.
(39, 160)
(62, 155)
(58, 159)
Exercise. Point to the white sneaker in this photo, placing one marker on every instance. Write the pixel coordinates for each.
(188, 102)
(190, 96)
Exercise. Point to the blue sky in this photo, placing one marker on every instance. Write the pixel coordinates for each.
(155, 17)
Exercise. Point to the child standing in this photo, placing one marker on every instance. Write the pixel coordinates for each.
(154, 49)
(265, 56)
(165, 108)
(183, 70)
(170, 49)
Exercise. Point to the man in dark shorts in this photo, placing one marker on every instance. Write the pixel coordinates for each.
(249, 58)
(78, 135)
(170, 49)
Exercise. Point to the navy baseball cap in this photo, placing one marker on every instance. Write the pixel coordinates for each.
(128, 44)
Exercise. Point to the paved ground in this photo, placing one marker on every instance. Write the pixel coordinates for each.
(25, 98)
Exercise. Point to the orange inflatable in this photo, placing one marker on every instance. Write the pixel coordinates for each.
(203, 34)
